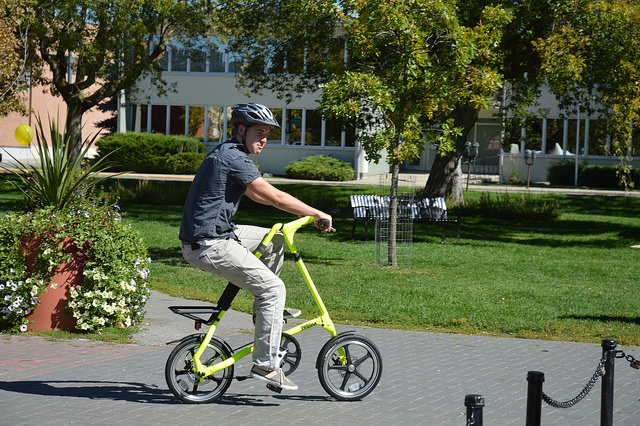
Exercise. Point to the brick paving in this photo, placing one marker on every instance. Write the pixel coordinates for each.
(425, 379)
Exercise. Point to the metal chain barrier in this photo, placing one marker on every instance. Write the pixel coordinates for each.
(633, 363)
(566, 404)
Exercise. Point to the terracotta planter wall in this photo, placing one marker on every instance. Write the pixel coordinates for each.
(51, 313)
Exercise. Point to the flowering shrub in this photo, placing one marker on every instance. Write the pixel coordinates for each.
(111, 254)
(60, 194)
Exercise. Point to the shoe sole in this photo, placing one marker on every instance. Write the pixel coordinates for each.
(276, 384)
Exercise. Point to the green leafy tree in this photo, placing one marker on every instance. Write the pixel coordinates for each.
(414, 72)
(584, 51)
(411, 65)
(88, 51)
(591, 61)
(12, 57)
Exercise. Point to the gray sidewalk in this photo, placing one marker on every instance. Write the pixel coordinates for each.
(425, 379)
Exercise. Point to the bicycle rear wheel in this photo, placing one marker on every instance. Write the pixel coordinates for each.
(349, 367)
(185, 384)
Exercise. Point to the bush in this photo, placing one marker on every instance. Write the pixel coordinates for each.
(563, 174)
(511, 207)
(148, 191)
(113, 256)
(152, 152)
(320, 167)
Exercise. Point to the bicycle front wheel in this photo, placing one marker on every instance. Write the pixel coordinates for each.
(349, 367)
(181, 378)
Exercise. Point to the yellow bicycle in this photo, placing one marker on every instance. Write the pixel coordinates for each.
(200, 368)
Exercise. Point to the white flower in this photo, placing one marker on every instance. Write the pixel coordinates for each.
(23, 327)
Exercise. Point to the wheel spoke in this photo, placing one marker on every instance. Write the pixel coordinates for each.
(357, 362)
(345, 381)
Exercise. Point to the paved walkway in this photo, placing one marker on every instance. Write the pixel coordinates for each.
(425, 379)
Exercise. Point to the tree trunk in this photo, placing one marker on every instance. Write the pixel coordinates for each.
(74, 127)
(443, 170)
(455, 190)
(441, 174)
(393, 215)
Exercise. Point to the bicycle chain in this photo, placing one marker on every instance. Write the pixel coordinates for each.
(566, 404)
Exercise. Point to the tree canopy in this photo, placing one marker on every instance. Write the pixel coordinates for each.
(12, 58)
(411, 64)
(87, 51)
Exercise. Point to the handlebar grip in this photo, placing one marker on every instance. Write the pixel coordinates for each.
(325, 224)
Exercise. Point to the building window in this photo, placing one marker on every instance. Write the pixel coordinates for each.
(217, 59)
(349, 136)
(533, 135)
(195, 125)
(198, 56)
(217, 128)
(234, 63)
(140, 119)
(313, 128)
(293, 127)
(575, 136)
(333, 133)
(177, 117)
(178, 56)
(275, 135)
(554, 136)
(597, 137)
(158, 119)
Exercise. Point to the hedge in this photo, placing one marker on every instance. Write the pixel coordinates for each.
(563, 174)
(152, 152)
(320, 167)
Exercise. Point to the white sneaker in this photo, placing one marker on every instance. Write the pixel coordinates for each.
(275, 377)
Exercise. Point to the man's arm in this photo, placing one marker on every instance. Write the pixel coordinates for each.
(263, 192)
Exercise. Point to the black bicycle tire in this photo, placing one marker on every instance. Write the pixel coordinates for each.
(182, 351)
(329, 366)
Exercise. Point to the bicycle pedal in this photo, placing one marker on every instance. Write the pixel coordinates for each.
(274, 388)
(241, 378)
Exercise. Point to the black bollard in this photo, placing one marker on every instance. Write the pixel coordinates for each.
(474, 404)
(534, 398)
(606, 404)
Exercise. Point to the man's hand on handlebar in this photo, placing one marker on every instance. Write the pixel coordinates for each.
(323, 223)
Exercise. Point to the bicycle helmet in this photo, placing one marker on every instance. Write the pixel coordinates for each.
(251, 114)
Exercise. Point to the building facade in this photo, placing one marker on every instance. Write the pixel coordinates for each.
(205, 89)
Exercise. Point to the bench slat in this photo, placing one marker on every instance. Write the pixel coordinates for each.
(367, 207)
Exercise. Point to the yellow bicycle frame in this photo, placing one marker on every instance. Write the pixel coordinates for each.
(288, 231)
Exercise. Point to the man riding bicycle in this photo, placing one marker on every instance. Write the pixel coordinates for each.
(213, 243)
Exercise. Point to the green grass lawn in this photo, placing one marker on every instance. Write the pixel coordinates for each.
(573, 279)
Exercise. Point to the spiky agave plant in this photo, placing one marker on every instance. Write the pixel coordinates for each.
(58, 173)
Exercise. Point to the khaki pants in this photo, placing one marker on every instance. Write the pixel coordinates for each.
(235, 262)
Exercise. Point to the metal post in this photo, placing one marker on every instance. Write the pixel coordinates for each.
(474, 404)
(534, 398)
(606, 406)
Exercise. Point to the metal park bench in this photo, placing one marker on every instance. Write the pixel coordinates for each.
(369, 208)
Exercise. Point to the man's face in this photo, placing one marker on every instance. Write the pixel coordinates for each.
(255, 137)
